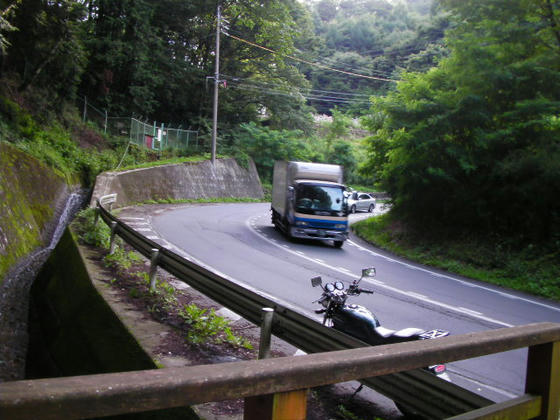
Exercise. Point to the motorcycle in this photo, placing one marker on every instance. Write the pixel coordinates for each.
(361, 323)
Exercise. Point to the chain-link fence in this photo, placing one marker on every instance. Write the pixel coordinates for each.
(155, 136)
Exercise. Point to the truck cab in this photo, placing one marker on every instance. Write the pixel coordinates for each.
(308, 203)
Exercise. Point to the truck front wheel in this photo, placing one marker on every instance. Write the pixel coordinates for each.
(338, 244)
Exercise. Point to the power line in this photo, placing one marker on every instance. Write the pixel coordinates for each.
(303, 92)
(329, 62)
(309, 90)
(307, 96)
(309, 62)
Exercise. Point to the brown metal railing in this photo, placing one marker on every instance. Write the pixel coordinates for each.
(283, 381)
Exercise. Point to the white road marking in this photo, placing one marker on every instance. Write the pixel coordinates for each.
(488, 289)
(416, 295)
(393, 289)
(470, 311)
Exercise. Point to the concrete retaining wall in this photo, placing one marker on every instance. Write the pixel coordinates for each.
(74, 330)
(31, 198)
(189, 180)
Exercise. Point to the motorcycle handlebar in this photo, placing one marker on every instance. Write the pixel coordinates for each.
(366, 291)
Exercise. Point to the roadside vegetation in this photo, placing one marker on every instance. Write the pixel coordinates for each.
(497, 260)
(199, 326)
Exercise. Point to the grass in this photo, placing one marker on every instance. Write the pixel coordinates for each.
(364, 188)
(533, 269)
(207, 325)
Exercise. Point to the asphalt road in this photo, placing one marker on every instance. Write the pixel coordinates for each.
(238, 240)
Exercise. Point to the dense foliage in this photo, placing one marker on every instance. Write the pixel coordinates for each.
(156, 58)
(475, 142)
(464, 116)
(376, 39)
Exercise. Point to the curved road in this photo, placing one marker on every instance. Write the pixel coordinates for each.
(239, 240)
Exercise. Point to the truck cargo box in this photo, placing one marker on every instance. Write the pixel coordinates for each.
(308, 201)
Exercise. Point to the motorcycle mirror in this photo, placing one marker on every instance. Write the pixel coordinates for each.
(368, 272)
(316, 281)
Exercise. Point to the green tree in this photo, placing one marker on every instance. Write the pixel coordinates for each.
(265, 146)
(46, 50)
(5, 27)
(122, 46)
(373, 38)
(476, 141)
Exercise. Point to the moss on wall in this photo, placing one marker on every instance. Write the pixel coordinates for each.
(75, 332)
(28, 196)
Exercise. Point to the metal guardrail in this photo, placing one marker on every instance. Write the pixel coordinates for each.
(382, 366)
(415, 390)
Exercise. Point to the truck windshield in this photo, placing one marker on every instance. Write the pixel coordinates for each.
(317, 199)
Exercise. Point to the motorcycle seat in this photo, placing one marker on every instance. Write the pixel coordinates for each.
(404, 333)
(384, 332)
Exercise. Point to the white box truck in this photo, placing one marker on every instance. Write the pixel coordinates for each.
(308, 201)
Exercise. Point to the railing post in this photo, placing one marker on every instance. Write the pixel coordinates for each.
(543, 377)
(153, 268)
(112, 242)
(290, 405)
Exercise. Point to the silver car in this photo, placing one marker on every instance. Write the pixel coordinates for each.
(359, 201)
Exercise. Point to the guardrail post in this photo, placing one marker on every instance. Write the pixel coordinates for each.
(543, 377)
(113, 233)
(266, 332)
(153, 268)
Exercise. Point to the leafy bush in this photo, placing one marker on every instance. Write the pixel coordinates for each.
(92, 233)
(205, 325)
(500, 260)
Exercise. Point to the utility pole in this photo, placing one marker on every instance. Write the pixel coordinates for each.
(216, 86)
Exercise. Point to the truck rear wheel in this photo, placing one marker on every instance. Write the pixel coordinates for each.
(338, 244)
